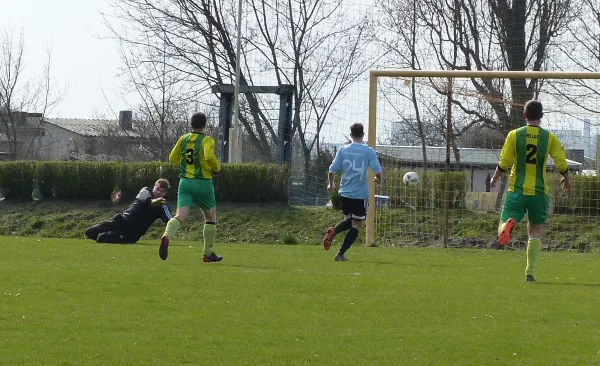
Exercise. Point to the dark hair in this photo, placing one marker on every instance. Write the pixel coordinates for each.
(357, 130)
(534, 110)
(163, 183)
(198, 120)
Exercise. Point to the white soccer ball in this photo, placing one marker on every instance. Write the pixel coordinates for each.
(410, 179)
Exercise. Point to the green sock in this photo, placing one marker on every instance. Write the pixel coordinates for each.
(533, 249)
(209, 233)
(172, 227)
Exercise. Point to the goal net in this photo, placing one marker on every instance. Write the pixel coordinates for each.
(449, 127)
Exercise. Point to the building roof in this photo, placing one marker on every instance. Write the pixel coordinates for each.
(469, 156)
(4, 155)
(92, 127)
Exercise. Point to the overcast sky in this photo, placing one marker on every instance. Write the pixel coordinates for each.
(82, 60)
(88, 64)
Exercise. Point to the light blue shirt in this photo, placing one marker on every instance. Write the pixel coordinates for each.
(353, 160)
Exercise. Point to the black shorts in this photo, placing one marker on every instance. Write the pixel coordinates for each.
(353, 208)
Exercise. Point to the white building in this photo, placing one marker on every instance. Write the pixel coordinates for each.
(578, 139)
(74, 139)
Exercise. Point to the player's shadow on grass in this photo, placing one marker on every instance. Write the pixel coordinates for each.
(374, 262)
(568, 284)
(399, 263)
(148, 243)
(245, 266)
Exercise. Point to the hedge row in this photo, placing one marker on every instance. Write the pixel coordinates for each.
(97, 180)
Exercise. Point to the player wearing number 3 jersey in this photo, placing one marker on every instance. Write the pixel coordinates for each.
(194, 152)
(525, 153)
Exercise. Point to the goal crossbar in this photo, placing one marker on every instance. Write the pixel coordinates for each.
(457, 74)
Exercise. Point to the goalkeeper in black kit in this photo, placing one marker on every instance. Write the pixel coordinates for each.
(128, 227)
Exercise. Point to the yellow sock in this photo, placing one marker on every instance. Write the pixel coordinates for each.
(533, 249)
(209, 233)
(172, 227)
(500, 227)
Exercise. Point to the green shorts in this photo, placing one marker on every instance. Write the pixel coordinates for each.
(199, 191)
(516, 204)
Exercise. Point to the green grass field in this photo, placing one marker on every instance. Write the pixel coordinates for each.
(68, 301)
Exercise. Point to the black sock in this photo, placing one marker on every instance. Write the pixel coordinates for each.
(343, 225)
(349, 240)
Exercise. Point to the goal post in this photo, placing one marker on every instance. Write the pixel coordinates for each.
(470, 105)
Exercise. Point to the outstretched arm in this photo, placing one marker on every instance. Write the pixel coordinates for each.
(507, 157)
(557, 152)
(375, 166)
(335, 166)
(497, 174)
(377, 178)
(211, 158)
(175, 155)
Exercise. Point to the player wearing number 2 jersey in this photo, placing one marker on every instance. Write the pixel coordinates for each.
(525, 152)
(194, 152)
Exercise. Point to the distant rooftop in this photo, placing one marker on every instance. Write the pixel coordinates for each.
(92, 127)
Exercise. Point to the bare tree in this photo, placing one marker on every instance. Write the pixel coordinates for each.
(490, 35)
(20, 96)
(311, 44)
(406, 133)
(402, 40)
(579, 51)
(497, 35)
(481, 136)
(166, 95)
(315, 46)
(399, 21)
(482, 35)
(196, 39)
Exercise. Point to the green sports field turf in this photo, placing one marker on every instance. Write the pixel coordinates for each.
(77, 302)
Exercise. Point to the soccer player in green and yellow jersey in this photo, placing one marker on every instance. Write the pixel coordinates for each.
(194, 152)
(525, 152)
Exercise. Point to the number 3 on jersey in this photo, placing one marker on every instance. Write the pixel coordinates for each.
(189, 156)
(531, 152)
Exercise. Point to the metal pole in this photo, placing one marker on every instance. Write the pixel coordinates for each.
(447, 175)
(370, 234)
(235, 143)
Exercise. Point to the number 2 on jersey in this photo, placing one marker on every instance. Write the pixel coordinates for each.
(531, 151)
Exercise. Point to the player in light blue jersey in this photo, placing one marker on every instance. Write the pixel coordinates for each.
(353, 160)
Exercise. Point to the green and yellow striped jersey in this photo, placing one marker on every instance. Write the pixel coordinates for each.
(526, 151)
(195, 154)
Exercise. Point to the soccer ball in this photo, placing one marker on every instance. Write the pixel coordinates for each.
(410, 179)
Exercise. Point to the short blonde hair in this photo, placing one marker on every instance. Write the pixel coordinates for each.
(163, 183)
